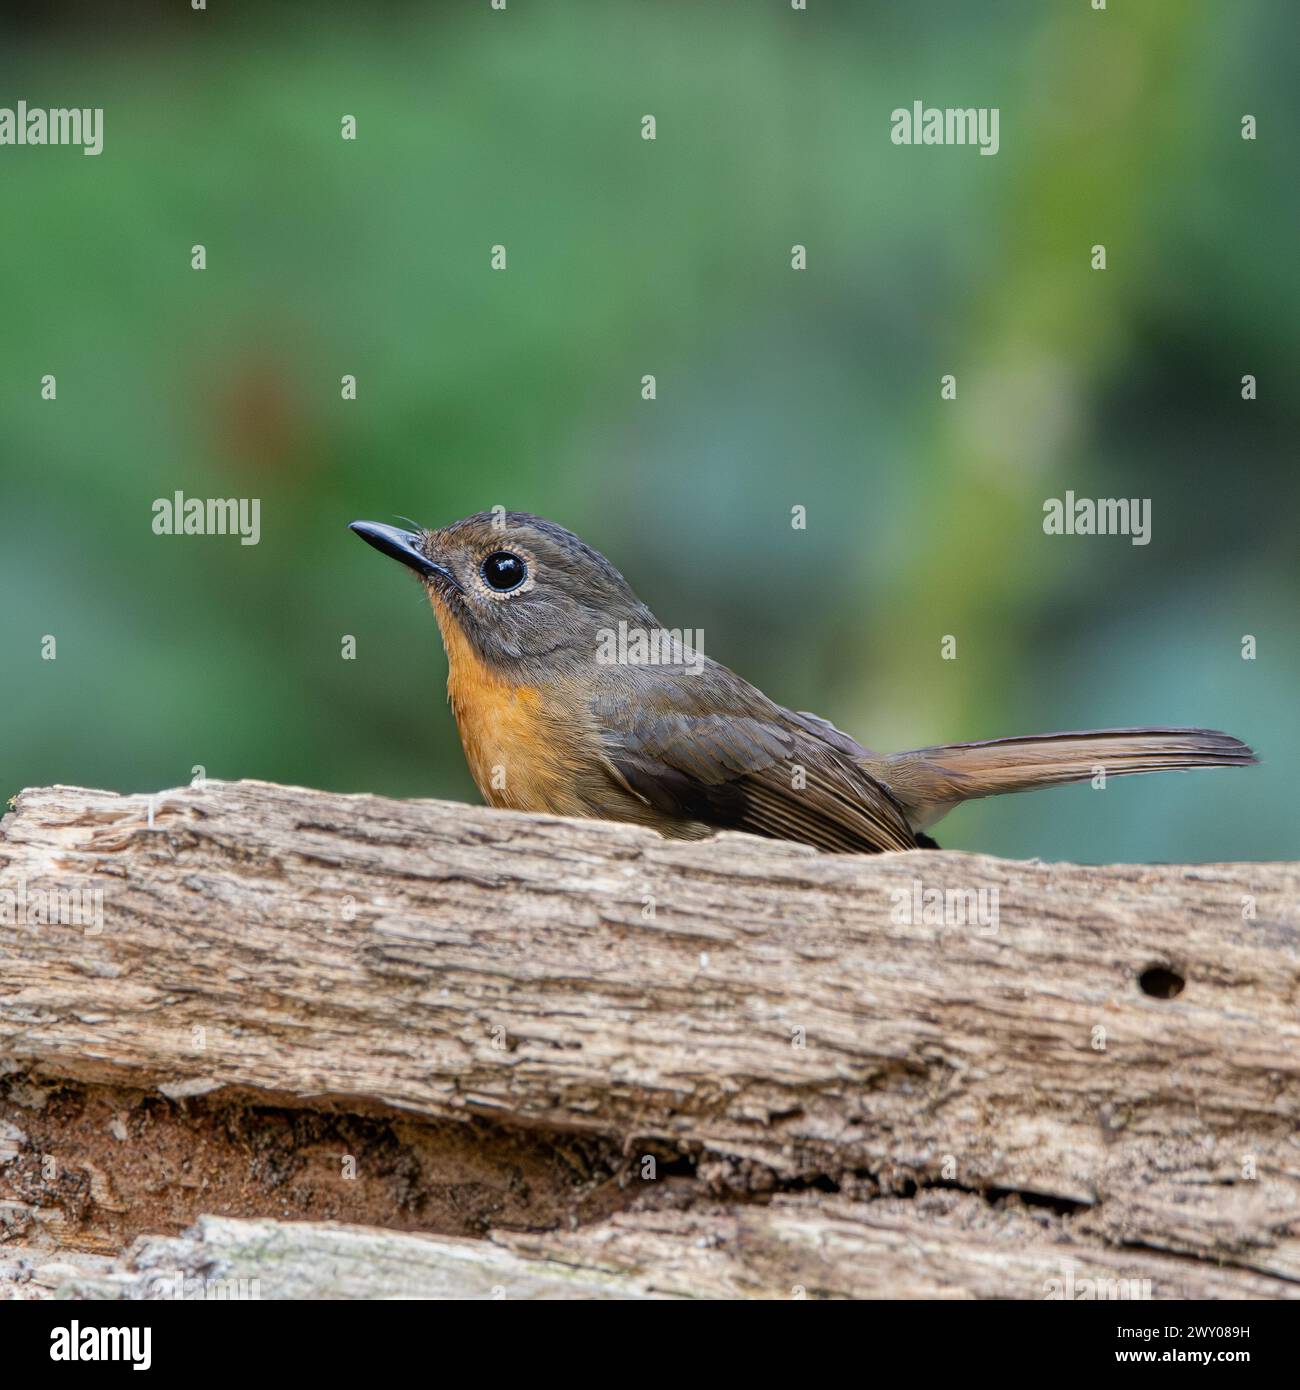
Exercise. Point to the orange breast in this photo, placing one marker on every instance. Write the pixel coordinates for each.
(520, 748)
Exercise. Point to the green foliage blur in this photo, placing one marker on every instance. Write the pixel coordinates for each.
(775, 388)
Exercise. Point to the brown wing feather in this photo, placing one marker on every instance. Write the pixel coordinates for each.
(739, 770)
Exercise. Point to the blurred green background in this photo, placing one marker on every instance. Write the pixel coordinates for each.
(775, 388)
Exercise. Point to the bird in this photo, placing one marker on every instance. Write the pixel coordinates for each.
(557, 715)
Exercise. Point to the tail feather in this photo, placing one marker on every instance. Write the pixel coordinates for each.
(930, 781)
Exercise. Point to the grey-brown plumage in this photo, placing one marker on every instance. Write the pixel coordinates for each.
(686, 745)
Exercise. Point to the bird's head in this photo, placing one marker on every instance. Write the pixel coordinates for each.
(521, 590)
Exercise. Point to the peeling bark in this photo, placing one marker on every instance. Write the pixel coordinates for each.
(824, 1082)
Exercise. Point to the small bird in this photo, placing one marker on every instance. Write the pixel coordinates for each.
(554, 716)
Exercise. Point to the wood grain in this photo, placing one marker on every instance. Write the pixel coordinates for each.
(778, 1017)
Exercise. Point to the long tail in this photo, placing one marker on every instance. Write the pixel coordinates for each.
(930, 781)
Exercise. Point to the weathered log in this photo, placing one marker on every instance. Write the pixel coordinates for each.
(946, 1246)
(1001, 1096)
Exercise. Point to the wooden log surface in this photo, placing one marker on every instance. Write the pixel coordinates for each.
(797, 1247)
(857, 1093)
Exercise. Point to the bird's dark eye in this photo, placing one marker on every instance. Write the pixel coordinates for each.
(503, 571)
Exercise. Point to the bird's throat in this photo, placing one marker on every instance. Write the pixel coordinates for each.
(518, 757)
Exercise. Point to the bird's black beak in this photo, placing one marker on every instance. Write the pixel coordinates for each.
(403, 546)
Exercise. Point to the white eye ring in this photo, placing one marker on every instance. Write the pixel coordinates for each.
(503, 571)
